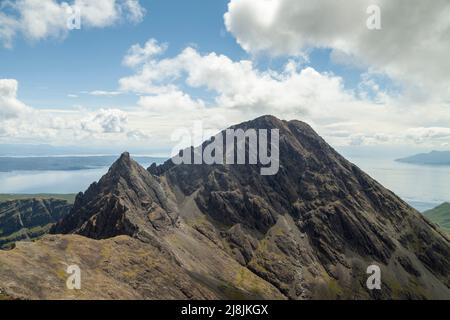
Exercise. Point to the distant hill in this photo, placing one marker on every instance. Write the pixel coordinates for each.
(440, 215)
(46, 150)
(432, 158)
(70, 198)
(28, 219)
(66, 163)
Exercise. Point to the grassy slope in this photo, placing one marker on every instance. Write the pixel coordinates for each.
(10, 197)
(440, 215)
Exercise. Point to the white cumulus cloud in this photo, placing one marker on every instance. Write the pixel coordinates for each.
(40, 19)
(238, 90)
(412, 46)
(10, 106)
(105, 121)
(24, 124)
(174, 101)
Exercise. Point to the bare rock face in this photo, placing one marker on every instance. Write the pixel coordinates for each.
(308, 232)
(126, 201)
(319, 223)
(129, 201)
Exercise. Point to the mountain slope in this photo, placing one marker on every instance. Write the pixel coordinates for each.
(440, 215)
(308, 232)
(28, 219)
(126, 201)
(115, 268)
(312, 229)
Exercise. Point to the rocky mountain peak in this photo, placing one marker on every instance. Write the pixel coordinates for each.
(264, 122)
(318, 207)
(310, 230)
(125, 156)
(127, 200)
(125, 168)
(124, 162)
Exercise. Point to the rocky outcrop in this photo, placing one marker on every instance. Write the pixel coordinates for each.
(126, 201)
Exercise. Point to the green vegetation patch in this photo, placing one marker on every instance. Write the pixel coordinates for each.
(440, 215)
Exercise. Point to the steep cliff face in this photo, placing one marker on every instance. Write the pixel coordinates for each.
(314, 228)
(308, 232)
(126, 201)
(28, 219)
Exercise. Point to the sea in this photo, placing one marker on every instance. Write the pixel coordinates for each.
(423, 187)
(71, 179)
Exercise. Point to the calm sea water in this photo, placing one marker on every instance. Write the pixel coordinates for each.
(424, 187)
(59, 182)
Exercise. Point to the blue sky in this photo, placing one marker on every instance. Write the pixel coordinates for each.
(317, 62)
(90, 59)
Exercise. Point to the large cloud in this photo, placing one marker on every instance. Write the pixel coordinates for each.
(191, 86)
(412, 46)
(39, 19)
(10, 106)
(238, 90)
(105, 121)
(21, 123)
(171, 101)
(233, 84)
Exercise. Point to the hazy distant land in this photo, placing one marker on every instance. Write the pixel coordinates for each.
(63, 163)
(70, 198)
(432, 158)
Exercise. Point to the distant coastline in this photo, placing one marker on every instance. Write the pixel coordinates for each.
(63, 163)
(70, 198)
(435, 158)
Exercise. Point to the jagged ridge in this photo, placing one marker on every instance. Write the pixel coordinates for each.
(308, 232)
(126, 201)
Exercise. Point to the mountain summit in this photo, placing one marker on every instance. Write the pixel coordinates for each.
(128, 200)
(309, 232)
(314, 228)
